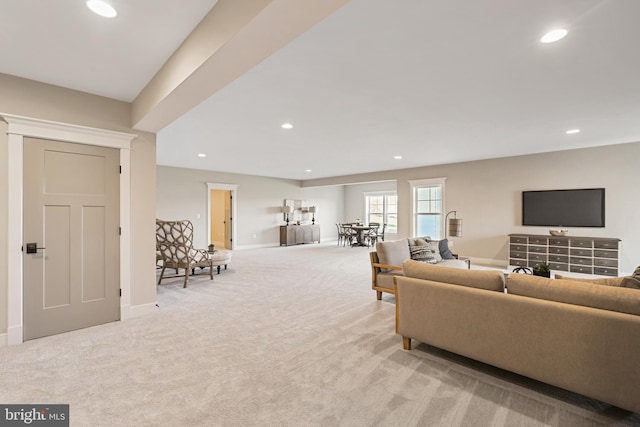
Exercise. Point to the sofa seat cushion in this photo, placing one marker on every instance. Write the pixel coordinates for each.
(491, 280)
(393, 252)
(385, 280)
(613, 298)
(455, 263)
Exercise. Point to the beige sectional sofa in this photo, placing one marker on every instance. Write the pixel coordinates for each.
(583, 337)
(387, 259)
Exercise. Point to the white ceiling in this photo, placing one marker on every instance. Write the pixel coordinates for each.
(435, 81)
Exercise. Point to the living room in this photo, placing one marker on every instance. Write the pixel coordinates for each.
(487, 195)
(294, 335)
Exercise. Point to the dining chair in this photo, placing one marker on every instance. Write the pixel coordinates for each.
(381, 233)
(349, 234)
(372, 234)
(341, 234)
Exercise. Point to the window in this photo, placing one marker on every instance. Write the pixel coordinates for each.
(382, 208)
(427, 204)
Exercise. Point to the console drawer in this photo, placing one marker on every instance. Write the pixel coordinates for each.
(605, 262)
(538, 258)
(558, 250)
(518, 262)
(522, 248)
(581, 261)
(538, 241)
(558, 242)
(558, 266)
(605, 254)
(581, 269)
(582, 252)
(558, 258)
(518, 239)
(538, 249)
(605, 244)
(518, 254)
(606, 271)
(580, 243)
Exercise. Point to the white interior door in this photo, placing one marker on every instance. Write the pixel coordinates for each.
(71, 214)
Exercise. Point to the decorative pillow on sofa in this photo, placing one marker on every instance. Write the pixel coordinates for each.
(445, 252)
(393, 252)
(420, 250)
(630, 282)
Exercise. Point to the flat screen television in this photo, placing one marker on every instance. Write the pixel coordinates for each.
(564, 208)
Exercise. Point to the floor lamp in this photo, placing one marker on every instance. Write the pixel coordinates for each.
(454, 225)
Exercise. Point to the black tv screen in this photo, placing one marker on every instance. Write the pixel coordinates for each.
(564, 208)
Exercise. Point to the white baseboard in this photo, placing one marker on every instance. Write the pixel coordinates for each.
(129, 312)
(14, 335)
(258, 246)
(489, 262)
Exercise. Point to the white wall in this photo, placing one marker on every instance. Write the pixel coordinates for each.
(182, 194)
(487, 196)
(354, 198)
(36, 100)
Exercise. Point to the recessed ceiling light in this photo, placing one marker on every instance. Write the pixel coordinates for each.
(397, 157)
(287, 126)
(572, 131)
(202, 155)
(554, 35)
(102, 8)
(308, 170)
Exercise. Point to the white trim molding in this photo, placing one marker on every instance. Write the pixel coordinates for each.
(20, 127)
(225, 187)
(413, 184)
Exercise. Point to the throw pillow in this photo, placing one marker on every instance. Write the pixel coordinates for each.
(421, 251)
(630, 282)
(418, 241)
(423, 254)
(436, 250)
(445, 252)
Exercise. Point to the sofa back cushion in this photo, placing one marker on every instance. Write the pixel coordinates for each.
(613, 298)
(393, 252)
(491, 280)
(606, 281)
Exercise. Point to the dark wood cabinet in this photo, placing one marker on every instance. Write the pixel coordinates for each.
(298, 234)
(588, 255)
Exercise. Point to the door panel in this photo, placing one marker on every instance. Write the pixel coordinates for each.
(57, 273)
(71, 209)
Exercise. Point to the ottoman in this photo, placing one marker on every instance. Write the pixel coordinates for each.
(220, 257)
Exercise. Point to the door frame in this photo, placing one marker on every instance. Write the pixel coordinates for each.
(20, 127)
(227, 187)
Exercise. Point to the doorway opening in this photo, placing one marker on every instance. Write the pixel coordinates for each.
(221, 211)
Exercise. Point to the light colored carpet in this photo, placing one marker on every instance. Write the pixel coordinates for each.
(287, 336)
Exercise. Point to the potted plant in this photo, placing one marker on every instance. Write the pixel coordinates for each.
(542, 269)
(211, 247)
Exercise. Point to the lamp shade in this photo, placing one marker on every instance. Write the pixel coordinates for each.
(287, 209)
(452, 226)
(455, 227)
(313, 209)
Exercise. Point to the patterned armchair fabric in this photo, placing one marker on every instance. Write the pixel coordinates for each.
(174, 243)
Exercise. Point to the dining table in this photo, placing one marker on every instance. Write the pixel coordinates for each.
(359, 234)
